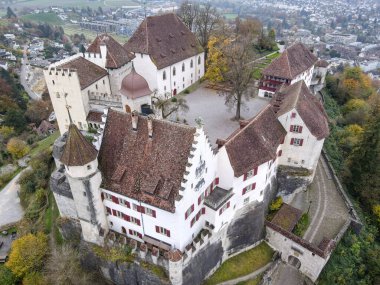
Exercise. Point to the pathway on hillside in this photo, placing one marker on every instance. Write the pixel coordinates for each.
(10, 207)
(246, 277)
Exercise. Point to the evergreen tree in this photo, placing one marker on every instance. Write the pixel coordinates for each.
(10, 13)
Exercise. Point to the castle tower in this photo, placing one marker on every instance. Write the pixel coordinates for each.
(80, 160)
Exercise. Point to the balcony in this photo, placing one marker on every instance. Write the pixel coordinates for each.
(217, 198)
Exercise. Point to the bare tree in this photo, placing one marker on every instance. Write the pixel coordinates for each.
(238, 76)
(188, 12)
(169, 106)
(206, 23)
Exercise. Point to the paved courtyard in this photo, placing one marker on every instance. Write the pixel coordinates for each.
(328, 212)
(216, 116)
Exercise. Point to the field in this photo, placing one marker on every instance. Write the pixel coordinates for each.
(49, 18)
(71, 3)
(71, 29)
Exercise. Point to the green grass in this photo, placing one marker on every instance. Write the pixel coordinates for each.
(157, 270)
(71, 29)
(273, 56)
(242, 264)
(254, 281)
(51, 215)
(44, 144)
(49, 18)
(5, 178)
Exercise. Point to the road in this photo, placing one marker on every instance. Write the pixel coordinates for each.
(10, 207)
(23, 75)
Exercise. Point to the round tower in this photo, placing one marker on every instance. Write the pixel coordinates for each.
(80, 160)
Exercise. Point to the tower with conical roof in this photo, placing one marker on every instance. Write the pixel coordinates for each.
(80, 160)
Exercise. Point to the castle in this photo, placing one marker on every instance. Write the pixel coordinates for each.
(159, 182)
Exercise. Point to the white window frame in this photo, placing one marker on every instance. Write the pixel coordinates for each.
(297, 142)
(296, 128)
(133, 220)
(108, 196)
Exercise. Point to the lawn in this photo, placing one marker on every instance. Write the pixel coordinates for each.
(44, 144)
(71, 29)
(242, 264)
(49, 18)
(230, 16)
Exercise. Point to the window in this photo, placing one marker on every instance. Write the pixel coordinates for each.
(134, 233)
(108, 210)
(136, 208)
(251, 173)
(108, 196)
(225, 207)
(164, 88)
(123, 230)
(296, 142)
(142, 55)
(199, 60)
(57, 95)
(164, 75)
(124, 202)
(189, 211)
(293, 115)
(104, 82)
(96, 86)
(118, 214)
(279, 153)
(183, 67)
(174, 71)
(246, 200)
(296, 129)
(162, 231)
(289, 159)
(150, 212)
(183, 79)
(53, 82)
(201, 198)
(134, 220)
(89, 167)
(84, 194)
(191, 64)
(249, 188)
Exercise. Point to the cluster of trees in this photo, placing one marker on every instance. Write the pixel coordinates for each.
(353, 106)
(44, 30)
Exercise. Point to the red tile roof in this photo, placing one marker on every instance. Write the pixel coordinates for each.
(78, 151)
(88, 72)
(165, 38)
(298, 96)
(146, 169)
(134, 85)
(117, 56)
(256, 143)
(292, 62)
(94, 116)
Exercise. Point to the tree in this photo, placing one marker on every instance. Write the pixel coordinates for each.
(188, 12)
(216, 62)
(38, 110)
(6, 132)
(169, 106)
(15, 119)
(28, 254)
(364, 179)
(205, 24)
(238, 76)
(17, 148)
(10, 13)
(63, 267)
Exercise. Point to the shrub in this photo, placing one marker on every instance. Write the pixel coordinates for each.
(276, 204)
(34, 278)
(302, 225)
(187, 91)
(28, 254)
(6, 276)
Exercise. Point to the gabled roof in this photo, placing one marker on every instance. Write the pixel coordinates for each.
(78, 151)
(292, 62)
(117, 56)
(165, 38)
(255, 143)
(88, 72)
(146, 169)
(298, 96)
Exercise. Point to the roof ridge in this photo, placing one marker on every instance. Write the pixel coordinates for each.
(287, 60)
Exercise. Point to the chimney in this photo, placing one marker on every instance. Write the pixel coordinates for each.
(150, 126)
(135, 118)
